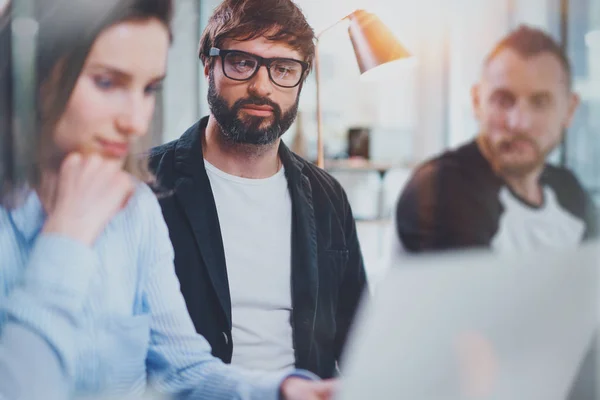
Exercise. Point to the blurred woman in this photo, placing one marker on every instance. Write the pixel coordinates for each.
(85, 257)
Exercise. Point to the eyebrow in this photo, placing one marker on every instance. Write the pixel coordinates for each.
(122, 74)
(544, 93)
(266, 58)
(503, 92)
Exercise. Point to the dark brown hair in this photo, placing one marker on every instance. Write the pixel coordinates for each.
(277, 20)
(530, 42)
(7, 166)
(67, 29)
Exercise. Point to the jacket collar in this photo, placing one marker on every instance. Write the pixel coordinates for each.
(188, 150)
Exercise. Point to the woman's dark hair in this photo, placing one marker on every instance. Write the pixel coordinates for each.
(7, 173)
(67, 29)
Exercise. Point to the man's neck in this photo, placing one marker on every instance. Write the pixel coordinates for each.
(246, 161)
(526, 186)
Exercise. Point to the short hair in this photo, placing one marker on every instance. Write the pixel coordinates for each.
(277, 20)
(67, 31)
(528, 42)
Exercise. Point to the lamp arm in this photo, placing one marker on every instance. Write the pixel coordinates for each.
(320, 152)
(317, 68)
(318, 35)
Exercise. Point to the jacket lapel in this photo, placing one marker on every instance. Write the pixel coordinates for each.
(305, 277)
(194, 193)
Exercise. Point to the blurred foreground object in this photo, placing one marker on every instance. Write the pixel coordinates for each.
(18, 115)
(474, 325)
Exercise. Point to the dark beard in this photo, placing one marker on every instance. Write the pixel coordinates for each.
(248, 130)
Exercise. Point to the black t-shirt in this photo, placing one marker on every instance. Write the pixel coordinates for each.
(457, 201)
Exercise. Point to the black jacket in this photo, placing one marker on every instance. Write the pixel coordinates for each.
(328, 275)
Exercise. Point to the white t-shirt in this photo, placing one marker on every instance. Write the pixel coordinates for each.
(522, 227)
(255, 216)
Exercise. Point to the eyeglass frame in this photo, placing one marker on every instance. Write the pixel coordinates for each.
(216, 52)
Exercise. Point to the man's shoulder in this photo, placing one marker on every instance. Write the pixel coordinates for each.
(563, 182)
(555, 175)
(160, 151)
(326, 191)
(460, 179)
(161, 164)
(320, 179)
(159, 156)
(572, 196)
(161, 159)
(454, 165)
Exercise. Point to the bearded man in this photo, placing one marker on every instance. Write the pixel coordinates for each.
(266, 248)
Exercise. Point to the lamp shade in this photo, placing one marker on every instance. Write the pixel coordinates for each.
(374, 44)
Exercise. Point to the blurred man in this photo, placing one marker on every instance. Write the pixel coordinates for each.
(497, 191)
(265, 243)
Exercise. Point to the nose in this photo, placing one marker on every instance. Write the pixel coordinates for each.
(261, 85)
(134, 115)
(520, 118)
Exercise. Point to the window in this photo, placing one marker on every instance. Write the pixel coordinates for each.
(582, 145)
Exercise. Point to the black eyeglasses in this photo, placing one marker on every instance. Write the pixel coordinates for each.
(242, 66)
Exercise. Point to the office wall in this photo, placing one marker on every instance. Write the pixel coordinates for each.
(583, 142)
(414, 113)
(181, 93)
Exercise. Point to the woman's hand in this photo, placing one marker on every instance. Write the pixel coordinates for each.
(90, 191)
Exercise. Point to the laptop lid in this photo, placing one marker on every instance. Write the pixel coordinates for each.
(475, 326)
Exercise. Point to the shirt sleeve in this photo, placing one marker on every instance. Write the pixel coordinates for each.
(179, 360)
(36, 344)
(29, 367)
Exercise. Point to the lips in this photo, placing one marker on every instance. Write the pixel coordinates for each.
(114, 148)
(258, 111)
(262, 111)
(260, 108)
(517, 145)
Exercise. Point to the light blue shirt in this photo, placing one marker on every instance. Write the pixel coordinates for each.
(114, 313)
(29, 367)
